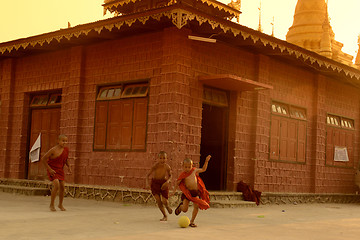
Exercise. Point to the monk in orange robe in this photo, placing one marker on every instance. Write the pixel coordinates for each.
(55, 160)
(193, 187)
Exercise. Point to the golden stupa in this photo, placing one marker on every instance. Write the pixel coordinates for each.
(311, 29)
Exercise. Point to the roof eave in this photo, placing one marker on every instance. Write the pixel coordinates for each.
(263, 43)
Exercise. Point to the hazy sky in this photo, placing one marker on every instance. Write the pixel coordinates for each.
(24, 18)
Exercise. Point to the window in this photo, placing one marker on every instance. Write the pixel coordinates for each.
(288, 133)
(280, 109)
(215, 97)
(108, 93)
(340, 138)
(297, 113)
(40, 100)
(121, 117)
(54, 99)
(135, 91)
(44, 100)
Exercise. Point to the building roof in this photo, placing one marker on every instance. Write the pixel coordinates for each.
(181, 16)
(212, 7)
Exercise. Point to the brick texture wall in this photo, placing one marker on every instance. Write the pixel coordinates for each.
(172, 63)
(293, 86)
(342, 100)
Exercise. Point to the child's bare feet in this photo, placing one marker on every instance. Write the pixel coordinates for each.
(192, 225)
(178, 209)
(61, 208)
(163, 219)
(52, 208)
(169, 209)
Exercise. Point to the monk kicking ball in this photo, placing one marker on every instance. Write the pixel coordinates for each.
(192, 187)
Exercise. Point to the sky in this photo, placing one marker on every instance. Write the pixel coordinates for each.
(24, 18)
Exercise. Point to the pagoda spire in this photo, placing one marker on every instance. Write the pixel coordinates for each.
(260, 27)
(325, 43)
(307, 28)
(357, 59)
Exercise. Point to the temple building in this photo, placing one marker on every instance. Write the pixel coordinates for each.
(182, 76)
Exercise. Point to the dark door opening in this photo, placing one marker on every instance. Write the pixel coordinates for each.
(213, 142)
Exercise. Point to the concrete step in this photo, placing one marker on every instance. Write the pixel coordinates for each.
(25, 183)
(225, 196)
(231, 204)
(33, 191)
(218, 199)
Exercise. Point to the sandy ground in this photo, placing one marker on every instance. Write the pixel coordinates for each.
(28, 217)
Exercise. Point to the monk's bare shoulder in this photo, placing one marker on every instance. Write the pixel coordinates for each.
(167, 166)
(51, 152)
(155, 166)
(197, 171)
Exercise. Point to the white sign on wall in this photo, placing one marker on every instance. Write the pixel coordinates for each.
(341, 154)
(34, 154)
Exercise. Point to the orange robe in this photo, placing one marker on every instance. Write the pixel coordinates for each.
(204, 199)
(57, 164)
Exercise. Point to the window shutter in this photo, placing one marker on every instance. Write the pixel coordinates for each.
(301, 150)
(292, 140)
(350, 146)
(283, 139)
(100, 125)
(139, 127)
(275, 138)
(119, 125)
(329, 146)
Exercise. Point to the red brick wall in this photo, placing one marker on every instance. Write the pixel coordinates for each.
(292, 85)
(161, 58)
(115, 62)
(342, 100)
(251, 115)
(22, 76)
(6, 115)
(2, 124)
(207, 59)
(171, 62)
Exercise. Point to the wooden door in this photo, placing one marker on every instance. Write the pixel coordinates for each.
(46, 122)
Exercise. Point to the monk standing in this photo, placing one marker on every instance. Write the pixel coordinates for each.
(55, 160)
(161, 172)
(192, 187)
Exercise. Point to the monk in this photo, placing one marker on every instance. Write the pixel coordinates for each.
(192, 187)
(161, 177)
(55, 160)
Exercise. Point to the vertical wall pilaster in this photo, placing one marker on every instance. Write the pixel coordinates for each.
(7, 99)
(231, 167)
(319, 135)
(262, 122)
(178, 121)
(72, 114)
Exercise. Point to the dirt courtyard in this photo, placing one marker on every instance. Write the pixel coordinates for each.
(28, 217)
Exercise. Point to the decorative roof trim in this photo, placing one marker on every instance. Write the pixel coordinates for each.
(179, 17)
(222, 6)
(110, 5)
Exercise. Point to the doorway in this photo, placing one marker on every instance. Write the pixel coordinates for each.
(214, 143)
(45, 119)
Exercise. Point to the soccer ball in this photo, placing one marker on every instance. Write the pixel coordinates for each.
(184, 221)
